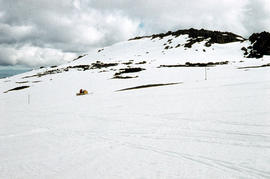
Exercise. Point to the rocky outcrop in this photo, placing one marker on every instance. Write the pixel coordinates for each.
(195, 36)
(260, 45)
(17, 88)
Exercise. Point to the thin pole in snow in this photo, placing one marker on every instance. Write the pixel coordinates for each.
(28, 98)
(205, 74)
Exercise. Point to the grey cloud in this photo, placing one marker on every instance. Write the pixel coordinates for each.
(32, 56)
(66, 28)
(7, 56)
(257, 16)
(171, 15)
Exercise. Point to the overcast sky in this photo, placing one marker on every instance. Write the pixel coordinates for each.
(44, 32)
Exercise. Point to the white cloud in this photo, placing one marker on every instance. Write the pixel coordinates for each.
(33, 56)
(65, 27)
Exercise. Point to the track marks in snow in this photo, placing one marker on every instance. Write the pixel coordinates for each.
(201, 160)
(27, 133)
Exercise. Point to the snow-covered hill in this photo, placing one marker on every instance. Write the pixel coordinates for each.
(161, 106)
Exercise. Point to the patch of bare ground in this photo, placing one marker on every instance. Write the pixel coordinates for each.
(141, 63)
(79, 57)
(96, 65)
(128, 63)
(124, 77)
(17, 88)
(188, 64)
(148, 86)
(260, 66)
(129, 70)
(22, 82)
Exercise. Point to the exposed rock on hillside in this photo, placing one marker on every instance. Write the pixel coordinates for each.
(200, 35)
(17, 88)
(96, 65)
(188, 64)
(260, 45)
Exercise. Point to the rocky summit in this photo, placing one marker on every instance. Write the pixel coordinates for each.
(260, 45)
(260, 42)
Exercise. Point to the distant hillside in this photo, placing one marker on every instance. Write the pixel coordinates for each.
(260, 42)
(200, 35)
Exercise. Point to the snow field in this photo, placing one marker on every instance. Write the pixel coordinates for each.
(214, 128)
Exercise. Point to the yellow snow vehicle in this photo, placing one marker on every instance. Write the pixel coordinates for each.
(82, 92)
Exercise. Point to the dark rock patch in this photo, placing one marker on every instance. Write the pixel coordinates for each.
(147, 86)
(124, 77)
(260, 45)
(17, 88)
(169, 41)
(100, 50)
(79, 57)
(129, 70)
(261, 66)
(99, 65)
(48, 72)
(192, 41)
(138, 38)
(127, 63)
(167, 47)
(96, 65)
(36, 75)
(103, 71)
(245, 51)
(22, 82)
(141, 63)
(188, 64)
(79, 67)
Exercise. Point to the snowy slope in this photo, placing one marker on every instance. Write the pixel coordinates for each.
(192, 128)
(154, 50)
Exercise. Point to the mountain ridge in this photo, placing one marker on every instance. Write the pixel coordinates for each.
(260, 42)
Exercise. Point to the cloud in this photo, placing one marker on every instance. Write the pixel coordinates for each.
(59, 27)
(54, 31)
(33, 56)
(165, 15)
(257, 16)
